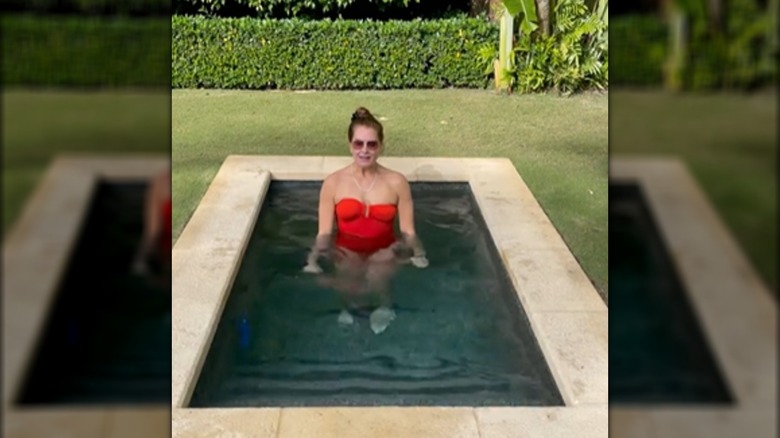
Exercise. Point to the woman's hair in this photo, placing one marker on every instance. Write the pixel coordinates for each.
(363, 117)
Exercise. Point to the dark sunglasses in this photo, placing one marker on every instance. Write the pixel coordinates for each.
(371, 144)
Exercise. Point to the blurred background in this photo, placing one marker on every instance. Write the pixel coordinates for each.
(88, 78)
(693, 80)
(696, 79)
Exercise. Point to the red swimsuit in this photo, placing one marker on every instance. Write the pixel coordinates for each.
(364, 231)
(165, 237)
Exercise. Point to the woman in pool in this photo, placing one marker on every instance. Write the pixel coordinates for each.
(364, 200)
(155, 247)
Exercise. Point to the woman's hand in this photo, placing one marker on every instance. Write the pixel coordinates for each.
(312, 268)
(322, 247)
(418, 258)
(419, 261)
(141, 260)
(140, 267)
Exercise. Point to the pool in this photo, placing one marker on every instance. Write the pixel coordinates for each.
(659, 354)
(694, 341)
(566, 316)
(461, 337)
(86, 350)
(108, 338)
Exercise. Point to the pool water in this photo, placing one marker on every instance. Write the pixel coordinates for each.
(107, 339)
(460, 337)
(657, 351)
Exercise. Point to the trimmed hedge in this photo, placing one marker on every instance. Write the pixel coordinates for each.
(382, 10)
(342, 54)
(85, 51)
(638, 51)
(91, 7)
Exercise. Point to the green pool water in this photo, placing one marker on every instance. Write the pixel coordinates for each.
(460, 337)
(658, 352)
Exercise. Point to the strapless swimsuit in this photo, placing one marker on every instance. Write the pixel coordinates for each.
(165, 236)
(364, 229)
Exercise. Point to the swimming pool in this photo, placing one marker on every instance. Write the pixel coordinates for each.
(461, 337)
(84, 351)
(566, 314)
(659, 353)
(686, 282)
(108, 338)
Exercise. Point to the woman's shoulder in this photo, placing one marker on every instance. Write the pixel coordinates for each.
(335, 176)
(394, 178)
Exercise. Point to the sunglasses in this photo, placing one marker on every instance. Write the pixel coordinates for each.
(371, 144)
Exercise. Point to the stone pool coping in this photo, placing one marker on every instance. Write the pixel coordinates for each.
(35, 256)
(568, 316)
(734, 308)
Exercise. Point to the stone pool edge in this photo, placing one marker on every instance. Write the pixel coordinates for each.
(35, 255)
(740, 329)
(567, 315)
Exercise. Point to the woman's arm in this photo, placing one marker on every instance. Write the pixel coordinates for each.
(325, 222)
(151, 227)
(327, 207)
(406, 221)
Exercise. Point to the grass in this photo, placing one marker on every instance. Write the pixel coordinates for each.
(41, 124)
(558, 145)
(728, 141)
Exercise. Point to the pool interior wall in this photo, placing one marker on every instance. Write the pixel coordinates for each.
(658, 353)
(461, 337)
(108, 336)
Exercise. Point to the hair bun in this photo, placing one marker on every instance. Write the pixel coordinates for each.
(361, 113)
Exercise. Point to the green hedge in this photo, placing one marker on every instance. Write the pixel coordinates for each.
(382, 10)
(638, 50)
(85, 51)
(340, 54)
(91, 7)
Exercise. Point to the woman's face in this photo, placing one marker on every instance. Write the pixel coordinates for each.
(365, 146)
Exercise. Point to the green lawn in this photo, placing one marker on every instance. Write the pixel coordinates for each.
(40, 124)
(559, 145)
(729, 142)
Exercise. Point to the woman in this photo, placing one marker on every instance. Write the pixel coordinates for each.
(155, 246)
(364, 199)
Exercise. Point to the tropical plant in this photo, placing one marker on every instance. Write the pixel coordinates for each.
(572, 58)
(525, 10)
(737, 56)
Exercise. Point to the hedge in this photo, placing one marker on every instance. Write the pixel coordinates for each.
(341, 54)
(382, 10)
(86, 51)
(91, 7)
(638, 50)
(731, 61)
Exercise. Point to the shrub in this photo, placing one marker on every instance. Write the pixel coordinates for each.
(736, 58)
(574, 57)
(341, 54)
(90, 7)
(638, 55)
(85, 52)
(319, 9)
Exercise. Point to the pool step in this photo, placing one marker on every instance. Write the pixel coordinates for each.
(377, 368)
(361, 384)
(379, 375)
